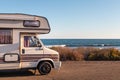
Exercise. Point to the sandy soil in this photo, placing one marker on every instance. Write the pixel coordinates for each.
(72, 70)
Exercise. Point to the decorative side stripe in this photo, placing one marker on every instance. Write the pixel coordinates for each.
(34, 57)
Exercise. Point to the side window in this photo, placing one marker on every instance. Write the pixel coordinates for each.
(5, 36)
(31, 23)
(31, 41)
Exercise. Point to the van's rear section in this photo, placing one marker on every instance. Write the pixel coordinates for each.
(20, 44)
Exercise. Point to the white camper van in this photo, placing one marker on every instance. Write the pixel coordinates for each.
(20, 46)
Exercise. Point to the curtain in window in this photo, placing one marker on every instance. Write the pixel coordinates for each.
(5, 36)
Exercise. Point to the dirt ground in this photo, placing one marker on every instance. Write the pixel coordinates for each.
(72, 70)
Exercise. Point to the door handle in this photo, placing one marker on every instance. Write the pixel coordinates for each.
(23, 51)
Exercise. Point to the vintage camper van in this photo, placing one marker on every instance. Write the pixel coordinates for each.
(20, 46)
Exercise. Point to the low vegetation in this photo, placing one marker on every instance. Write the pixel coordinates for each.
(89, 54)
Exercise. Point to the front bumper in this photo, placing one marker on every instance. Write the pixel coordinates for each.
(57, 64)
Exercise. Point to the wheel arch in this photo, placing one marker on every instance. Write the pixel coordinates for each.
(46, 60)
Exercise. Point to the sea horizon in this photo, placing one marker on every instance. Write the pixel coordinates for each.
(98, 43)
(80, 38)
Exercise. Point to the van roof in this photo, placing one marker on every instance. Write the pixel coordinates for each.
(17, 21)
(17, 16)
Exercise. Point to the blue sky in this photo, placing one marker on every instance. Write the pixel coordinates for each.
(72, 18)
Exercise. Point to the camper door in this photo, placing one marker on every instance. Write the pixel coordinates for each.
(31, 50)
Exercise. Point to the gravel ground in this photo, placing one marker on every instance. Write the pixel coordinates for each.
(72, 70)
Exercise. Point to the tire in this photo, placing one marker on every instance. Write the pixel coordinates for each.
(44, 68)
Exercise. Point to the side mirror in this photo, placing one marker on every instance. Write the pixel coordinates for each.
(39, 45)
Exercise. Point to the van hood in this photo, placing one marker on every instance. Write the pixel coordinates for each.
(49, 51)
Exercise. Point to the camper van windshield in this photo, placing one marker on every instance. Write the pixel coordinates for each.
(31, 41)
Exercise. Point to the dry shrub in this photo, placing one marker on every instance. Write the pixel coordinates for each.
(114, 54)
(68, 54)
(105, 54)
(64, 52)
(89, 53)
(77, 55)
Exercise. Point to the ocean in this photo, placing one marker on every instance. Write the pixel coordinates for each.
(73, 43)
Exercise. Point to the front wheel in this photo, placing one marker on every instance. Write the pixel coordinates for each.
(44, 68)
